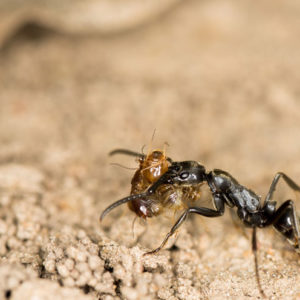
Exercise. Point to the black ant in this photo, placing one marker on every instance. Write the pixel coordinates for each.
(226, 190)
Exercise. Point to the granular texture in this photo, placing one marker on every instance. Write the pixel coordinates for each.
(218, 80)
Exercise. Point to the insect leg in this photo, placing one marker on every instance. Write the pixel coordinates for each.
(293, 185)
(236, 222)
(285, 221)
(203, 211)
(254, 249)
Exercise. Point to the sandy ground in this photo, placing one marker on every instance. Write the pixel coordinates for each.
(218, 80)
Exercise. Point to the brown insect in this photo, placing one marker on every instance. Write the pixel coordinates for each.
(167, 197)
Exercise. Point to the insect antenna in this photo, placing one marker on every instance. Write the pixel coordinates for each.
(126, 152)
(121, 166)
(151, 142)
(120, 202)
(132, 153)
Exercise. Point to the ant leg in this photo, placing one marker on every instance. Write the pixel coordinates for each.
(136, 239)
(181, 219)
(294, 186)
(236, 222)
(203, 211)
(254, 249)
(285, 221)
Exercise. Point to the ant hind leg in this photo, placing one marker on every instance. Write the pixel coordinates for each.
(286, 222)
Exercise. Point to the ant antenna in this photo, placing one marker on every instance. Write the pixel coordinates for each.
(121, 166)
(154, 131)
(142, 150)
(166, 144)
(120, 202)
(151, 142)
(126, 152)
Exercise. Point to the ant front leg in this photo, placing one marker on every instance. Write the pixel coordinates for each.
(203, 211)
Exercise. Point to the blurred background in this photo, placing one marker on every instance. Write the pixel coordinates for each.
(217, 80)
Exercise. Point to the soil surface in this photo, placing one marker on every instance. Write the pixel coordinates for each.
(218, 81)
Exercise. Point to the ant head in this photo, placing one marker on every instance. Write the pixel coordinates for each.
(187, 172)
(184, 172)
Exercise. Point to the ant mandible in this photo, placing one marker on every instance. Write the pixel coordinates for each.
(227, 191)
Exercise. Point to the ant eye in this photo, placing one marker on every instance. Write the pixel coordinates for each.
(176, 168)
(184, 175)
